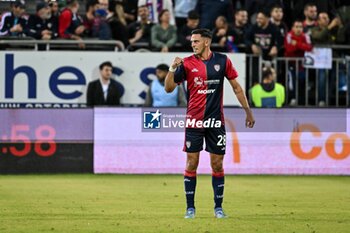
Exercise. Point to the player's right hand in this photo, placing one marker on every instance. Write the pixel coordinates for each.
(249, 121)
(177, 62)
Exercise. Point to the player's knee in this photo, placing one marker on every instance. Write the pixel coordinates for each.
(191, 165)
(216, 166)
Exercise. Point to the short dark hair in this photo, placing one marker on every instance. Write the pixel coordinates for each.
(193, 14)
(240, 9)
(297, 21)
(106, 63)
(264, 12)
(277, 5)
(71, 2)
(163, 67)
(90, 3)
(310, 4)
(203, 32)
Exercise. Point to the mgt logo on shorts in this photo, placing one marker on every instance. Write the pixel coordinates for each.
(151, 120)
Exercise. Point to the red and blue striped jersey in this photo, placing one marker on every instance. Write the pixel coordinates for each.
(205, 79)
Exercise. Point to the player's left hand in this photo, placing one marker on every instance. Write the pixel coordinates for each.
(249, 121)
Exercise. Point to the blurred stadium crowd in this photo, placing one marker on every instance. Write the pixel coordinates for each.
(264, 28)
(165, 25)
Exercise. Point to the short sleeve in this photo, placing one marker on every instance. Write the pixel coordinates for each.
(230, 71)
(179, 75)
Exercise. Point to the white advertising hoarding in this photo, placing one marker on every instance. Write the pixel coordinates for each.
(62, 77)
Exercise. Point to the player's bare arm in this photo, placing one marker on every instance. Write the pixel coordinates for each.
(243, 101)
(170, 84)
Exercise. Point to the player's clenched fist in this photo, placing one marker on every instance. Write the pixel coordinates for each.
(177, 62)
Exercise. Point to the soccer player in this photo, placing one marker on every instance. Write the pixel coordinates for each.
(205, 72)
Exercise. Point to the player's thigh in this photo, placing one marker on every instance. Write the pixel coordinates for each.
(193, 140)
(215, 140)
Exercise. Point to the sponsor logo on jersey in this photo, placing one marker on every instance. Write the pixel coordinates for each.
(194, 70)
(209, 91)
(214, 81)
(217, 67)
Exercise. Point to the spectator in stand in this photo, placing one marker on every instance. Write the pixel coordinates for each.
(184, 35)
(310, 13)
(296, 44)
(156, 95)
(209, 10)
(140, 31)
(130, 10)
(163, 35)
(14, 23)
(155, 7)
(55, 10)
(70, 25)
(268, 93)
(223, 35)
(240, 26)
(117, 23)
(182, 9)
(262, 37)
(103, 4)
(101, 28)
(328, 33)
(89, 17)
(105, 90)
(277, 20)
(42, 25)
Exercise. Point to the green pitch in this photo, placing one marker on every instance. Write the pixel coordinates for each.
(122, 203)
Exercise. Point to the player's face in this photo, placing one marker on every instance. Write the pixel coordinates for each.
(198, 44)
(106, 72)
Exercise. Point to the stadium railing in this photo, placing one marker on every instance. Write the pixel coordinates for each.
(336, 85)
(9, 43)
(309, 83)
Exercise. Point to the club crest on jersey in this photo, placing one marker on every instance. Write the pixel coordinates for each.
(217, 67)
(188, 144)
